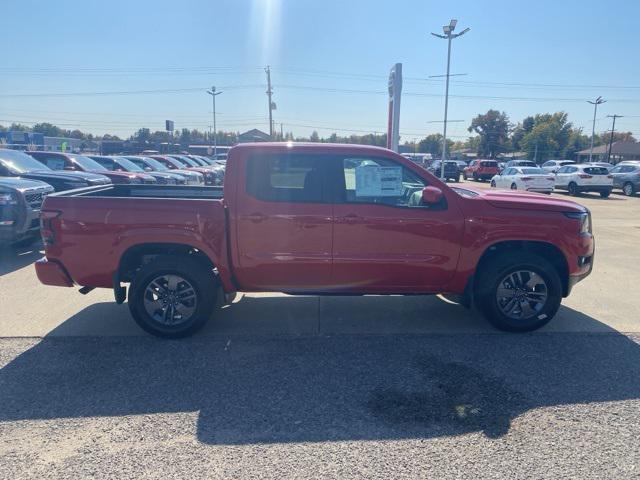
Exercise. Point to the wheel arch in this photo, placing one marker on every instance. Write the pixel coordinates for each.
(545, 249)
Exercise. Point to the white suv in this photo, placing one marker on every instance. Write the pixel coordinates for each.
(552, 166)
(584, 178)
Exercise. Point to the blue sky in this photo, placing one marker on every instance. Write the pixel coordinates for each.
(329, 59)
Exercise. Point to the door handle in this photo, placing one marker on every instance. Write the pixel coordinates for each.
(256, 217)
(351, 218)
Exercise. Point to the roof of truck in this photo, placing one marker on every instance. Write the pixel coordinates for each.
(311, 145)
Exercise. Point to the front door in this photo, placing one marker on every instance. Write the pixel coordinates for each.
(384, 238)
(284, 222)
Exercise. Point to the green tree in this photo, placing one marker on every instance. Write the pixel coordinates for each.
(314, 137)
(549, 137)
(493, 130)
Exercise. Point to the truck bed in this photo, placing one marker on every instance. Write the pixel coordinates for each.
(96, 226)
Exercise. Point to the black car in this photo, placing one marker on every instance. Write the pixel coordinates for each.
(20, 202)
(18, 164)
(451, 170)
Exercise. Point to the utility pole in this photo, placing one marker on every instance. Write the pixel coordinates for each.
(598, 101)
(214, 94)
(281, 132)
(448, 35)
(613, 129)
(271, 105)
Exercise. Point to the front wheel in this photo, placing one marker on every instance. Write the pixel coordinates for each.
(493, 183)
(605, 193)
(173, 297)
(573, 189)
(518, 292)
(628, 189)
(514, 186)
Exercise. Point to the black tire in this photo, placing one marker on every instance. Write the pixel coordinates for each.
(26, 241)
(497, 268)
(605, 193)
(199, 276)
(464, 176)
(629, 189)
(514, 186)
(475, 177)
(573, 189)
(493, 183)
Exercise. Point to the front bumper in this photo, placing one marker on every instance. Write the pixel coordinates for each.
(50, 272)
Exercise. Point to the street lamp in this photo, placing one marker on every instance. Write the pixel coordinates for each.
(214, 94)
(595, 104)
(448, 35)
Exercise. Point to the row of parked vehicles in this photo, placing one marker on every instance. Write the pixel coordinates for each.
(598, 177)
(27, 177)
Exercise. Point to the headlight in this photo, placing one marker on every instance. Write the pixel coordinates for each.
(8, 198)
(584, 218)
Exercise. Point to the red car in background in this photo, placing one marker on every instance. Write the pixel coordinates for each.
(80, 163)
(481, 170)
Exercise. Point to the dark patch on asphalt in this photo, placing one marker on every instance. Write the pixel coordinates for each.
(452, 396)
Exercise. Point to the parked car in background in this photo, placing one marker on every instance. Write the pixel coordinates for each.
(122, 164)
(531, 179)
(451, 170)
(149, 164)
(20, 202)
(552, 166)
(626, 177)
(461, 165)
(79, 163)
(18, 164)
(520, 163)
(581, 178)
(481, 170)
(182, 162)
(603, 164)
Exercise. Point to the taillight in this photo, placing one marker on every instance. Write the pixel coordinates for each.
(609, 176)
(584, 175)
(551, 179)
(46, 229)
(526, 179)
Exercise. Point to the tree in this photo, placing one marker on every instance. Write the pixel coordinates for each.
(493, 130)
(433, 144)
(605, 137)
(549, 137)
(314, 137)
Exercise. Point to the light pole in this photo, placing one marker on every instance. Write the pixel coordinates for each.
(448, 35)
(214, 94)
(613, 129)
(595, 104)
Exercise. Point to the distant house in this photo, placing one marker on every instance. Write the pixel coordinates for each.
(254, 135)
(463, 154)
(620, 151)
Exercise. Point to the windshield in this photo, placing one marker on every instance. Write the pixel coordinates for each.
(533, 171)
(186, 161)
(128, 165)
(18, 162)
(88, 163)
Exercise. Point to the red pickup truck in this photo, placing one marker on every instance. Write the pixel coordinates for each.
(316, 219)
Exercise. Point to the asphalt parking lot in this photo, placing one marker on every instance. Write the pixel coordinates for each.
(309, 387)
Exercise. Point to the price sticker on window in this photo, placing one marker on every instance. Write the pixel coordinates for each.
(376, 181)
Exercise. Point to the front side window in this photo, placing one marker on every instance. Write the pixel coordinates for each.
(381, 181)
(286, 178)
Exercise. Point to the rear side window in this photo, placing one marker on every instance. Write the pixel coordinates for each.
(286, 178)
(489, 164)
(596, 170)
(53, 162)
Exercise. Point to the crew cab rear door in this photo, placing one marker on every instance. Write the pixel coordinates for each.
(384, 238)
(283, 220)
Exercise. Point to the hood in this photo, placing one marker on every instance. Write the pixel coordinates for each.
(527, 201)
(22, 184)
(119, 176)
(65, 176)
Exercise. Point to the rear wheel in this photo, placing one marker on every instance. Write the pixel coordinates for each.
(514, 186)
(518, 292)
(605, 193)
(493, 183)
(628, 189)
(573, 189)
(173, 297)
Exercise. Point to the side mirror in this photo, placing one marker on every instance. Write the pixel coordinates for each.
(147, 169)
(431, 195)
(71, 168)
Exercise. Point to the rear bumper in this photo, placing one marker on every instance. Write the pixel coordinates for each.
(595, 188)
(50, 272)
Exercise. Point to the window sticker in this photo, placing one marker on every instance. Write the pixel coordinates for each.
(376, 181)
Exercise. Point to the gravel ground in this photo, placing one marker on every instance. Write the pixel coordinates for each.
(547, 405)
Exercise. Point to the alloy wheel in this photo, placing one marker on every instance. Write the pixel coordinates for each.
(522, 294)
